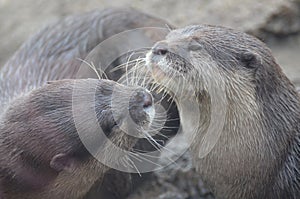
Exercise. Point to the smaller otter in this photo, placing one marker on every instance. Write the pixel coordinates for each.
(41, 153)
(257, 153)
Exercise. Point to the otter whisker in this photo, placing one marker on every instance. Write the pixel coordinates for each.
(129, 163)
(132, 163)
(152, 141)
(146, 77)
(160, 134)
(126, 67)
(121, 66)
(145, 153)
(136, 71)
(102, 72)
(139, 157)
(164, 127)
(91, 66)
(168, 27)
(131, 74)
(157, 144)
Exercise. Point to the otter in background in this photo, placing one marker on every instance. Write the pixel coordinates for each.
(31, 166)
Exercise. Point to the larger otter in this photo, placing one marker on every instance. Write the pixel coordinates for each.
(257, 154)
(37, 166)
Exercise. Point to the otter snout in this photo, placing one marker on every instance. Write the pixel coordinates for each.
(148, 101)
(141, 107)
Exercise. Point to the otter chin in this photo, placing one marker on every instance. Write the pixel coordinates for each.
(238, 109)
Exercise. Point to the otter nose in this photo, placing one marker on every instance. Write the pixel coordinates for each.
(141, 107)
(148, 101)
(160, 48)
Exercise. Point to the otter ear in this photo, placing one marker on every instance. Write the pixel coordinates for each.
(63, 162)
(250, 59)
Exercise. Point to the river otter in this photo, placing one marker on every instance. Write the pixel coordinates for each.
(257, 153)
(30, 106)
(42, 156)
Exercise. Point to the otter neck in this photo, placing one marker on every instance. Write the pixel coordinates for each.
(254, 139)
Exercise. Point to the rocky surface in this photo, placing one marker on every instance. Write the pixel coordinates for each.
(277, 22)
(176, 181)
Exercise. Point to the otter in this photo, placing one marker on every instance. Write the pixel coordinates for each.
(257, 153)
(41, 153)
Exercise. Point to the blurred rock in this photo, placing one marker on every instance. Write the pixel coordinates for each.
(271, 20)
(278, 17)
(285, 22)
(264, 18)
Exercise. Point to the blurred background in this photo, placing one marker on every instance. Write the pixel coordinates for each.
(277, 22)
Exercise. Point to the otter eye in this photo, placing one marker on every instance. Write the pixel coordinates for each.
(195, 45)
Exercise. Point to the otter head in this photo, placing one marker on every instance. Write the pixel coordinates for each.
(217, 68)
(208, 57)
(208, 62)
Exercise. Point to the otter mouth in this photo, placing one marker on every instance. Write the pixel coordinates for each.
(169, 72)
(124, 108)
(157, 73)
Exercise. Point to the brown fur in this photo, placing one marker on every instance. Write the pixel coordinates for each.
(258, 152)
(50, 55)
(38, 126)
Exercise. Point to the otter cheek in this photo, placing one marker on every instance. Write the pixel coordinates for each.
(158, 74)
